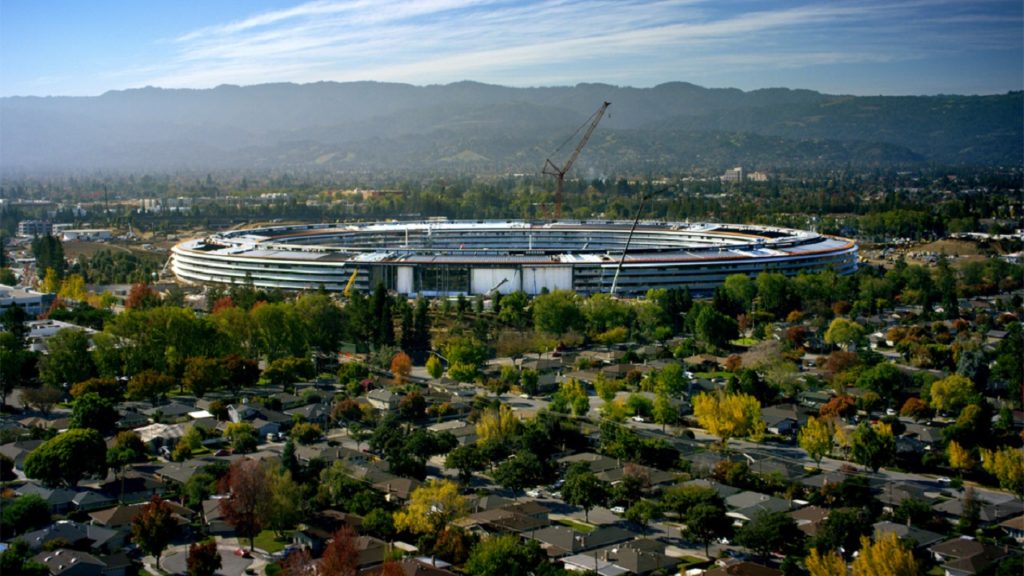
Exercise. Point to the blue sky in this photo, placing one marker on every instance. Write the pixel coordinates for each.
(861, 47)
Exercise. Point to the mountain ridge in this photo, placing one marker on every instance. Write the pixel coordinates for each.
(247, 127)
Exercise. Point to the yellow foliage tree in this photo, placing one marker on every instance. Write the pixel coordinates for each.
(951, 393)
(431, 507)
(959, 457)
(1007, 465)
(828, 564)
(496, 425)
(73, 288)
(51, 282)
(729, 415)
(816, 438)
(885, 557)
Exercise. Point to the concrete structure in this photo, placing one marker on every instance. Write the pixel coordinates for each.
(441, 258)
(30, 228)
(89, 234)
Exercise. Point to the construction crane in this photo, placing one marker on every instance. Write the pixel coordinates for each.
(351, 280)
(559, 173)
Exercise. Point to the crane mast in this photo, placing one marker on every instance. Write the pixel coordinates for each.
(559, 173)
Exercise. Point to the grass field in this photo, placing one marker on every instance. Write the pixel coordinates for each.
(268, 542)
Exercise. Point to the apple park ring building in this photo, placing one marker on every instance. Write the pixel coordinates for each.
(444, 258)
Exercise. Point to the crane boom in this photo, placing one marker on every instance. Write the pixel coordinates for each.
(559, 173)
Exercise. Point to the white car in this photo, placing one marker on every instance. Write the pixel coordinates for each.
(617, 510)
(639, 418)
(533, 493)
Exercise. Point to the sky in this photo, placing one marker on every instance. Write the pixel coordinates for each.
(858, 47)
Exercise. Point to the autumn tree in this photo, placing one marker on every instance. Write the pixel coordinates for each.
(246, 507)
(816, 438)
(401, 366)
(844, 332)
(67, 458)
(960, 458)
(431, 507)
(154, 527)
(1007, 465)
(916, 408)
(204, 374)
(108, 388)
(149, 385)
(141, 296)
(830, 563)
(886, 556)
(203, 558)
(729, 415)
(952, 393)
(496, 425)
(341, 557)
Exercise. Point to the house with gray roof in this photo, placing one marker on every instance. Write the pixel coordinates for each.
(81, 536)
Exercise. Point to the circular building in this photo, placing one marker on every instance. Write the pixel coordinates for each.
(438, 258)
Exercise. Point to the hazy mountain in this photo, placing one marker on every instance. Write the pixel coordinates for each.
(467, 126)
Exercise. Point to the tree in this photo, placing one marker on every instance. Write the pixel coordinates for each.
(707, 521)
(41, 398)
(844, 332)
(141, 296)
(68, 457)
(246, 508)
(68, 361)
(506, 555)
(885, 557)
(93, 411)
(341, 557)
(729, 415)
(203, 374)
(643, 512)
(873, 446)
(771, 532)
(466, 459)
(671, 380)
(713, 327)
(952, 393)
(959, 458)
(154, 527)
(496, 425)
(557, 312)
(431, 506)
(434, 367)
(108, 388)
(916, 408)
(49, 254)
(830, 563)
(285, 507)
(843, 529)
(664, 412)
(287, 371)
(306, 433)
(17, 559)
(401, 366)
(523, 469)
(1007, 465)
(16, 363)
(203, 558)
(127, 449)
(23, 514)
(583, 488)
(816, 438)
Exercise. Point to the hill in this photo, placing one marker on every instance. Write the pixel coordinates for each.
(468, 126)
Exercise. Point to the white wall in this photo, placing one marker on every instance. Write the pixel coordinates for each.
(485, 279)
(550, 277)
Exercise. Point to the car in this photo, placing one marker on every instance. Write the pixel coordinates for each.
(617, 510)
(639, 418)
(242, 552)
(944, 479)
(533, 493)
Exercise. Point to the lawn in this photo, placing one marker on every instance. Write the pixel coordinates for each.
(577, 526)
(268, 542)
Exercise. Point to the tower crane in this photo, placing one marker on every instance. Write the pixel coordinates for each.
(559, 173)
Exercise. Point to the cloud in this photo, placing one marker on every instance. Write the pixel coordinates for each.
(566, 41)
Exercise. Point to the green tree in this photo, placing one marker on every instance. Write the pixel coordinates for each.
(557, 312)
(713, 327)
(434, 367)
(873, 446)
(23, 514)
(466, 459)
(49, 254)
(17, 559)
(643, 512)
(68, 361)
(154, 527)
(770, 532)
(285, 507)
(706, 521)
(844, 332)
(67, 458)
(287, 371)
(16, 364)
(506, 555)
(203, 374)
(524, 469)
(93, 411)
(584, 489)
